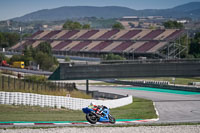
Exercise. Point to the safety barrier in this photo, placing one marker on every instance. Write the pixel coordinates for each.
(195, 83)
(18, 98)
(161, 86)
(148, 82)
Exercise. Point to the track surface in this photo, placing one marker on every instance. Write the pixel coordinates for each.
(171, 107)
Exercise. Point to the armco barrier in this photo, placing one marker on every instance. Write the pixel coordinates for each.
(30, 99)
(161, 86)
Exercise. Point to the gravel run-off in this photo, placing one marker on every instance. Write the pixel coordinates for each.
(141, 129)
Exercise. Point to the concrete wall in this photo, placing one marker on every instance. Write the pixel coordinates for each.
(100, 95)
(30, 99)
(68, 71)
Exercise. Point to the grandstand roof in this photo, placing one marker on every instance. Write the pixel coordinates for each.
(115, 41)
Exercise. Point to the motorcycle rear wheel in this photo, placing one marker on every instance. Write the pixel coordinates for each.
(111, 119)
(91, 118)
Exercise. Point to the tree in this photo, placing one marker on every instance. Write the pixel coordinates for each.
(13, 38)
(8, 39)
(45, 61)
(70, 25)
(26, 35)
(67, 24)
(28, 57)
(183, 41)
(16, 58)
(194, 48)
(2, 57)
(67, 59)
(118, 26)
(43, 56)
(113, 57)
(173, 25)
(86, 26)
(45, 47)
(2, 41)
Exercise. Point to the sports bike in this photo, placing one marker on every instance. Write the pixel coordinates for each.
(92, 116)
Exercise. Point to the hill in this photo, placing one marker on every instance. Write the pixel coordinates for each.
(189, 10)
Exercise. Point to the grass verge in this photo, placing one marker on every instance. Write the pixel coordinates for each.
(139, 109)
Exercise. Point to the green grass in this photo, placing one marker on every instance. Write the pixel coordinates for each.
(182, 81)
(27, 113)
(139, 109)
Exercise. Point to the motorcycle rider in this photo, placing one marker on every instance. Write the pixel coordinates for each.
(98, 109)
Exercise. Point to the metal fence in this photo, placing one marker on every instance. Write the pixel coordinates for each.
(8, 83)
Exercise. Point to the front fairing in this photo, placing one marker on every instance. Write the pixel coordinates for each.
(105, 118)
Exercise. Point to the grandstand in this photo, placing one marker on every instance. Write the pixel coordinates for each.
(158, 43)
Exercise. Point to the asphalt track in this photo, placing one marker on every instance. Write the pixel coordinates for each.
(172, 106)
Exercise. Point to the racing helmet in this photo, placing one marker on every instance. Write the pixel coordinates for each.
(92, 103)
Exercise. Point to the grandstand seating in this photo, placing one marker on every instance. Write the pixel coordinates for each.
(35, 34)
(119, 34)
(141, 34)
(29, 42)
(18, 44)
(79, 46)
(98, 34)
(77, 35)
(174, 35)
(54, 43)
(52, 33)
(122, 46)
(108, 34)
(41, 35)
(130, 34)
(36, 43)
(157, 47)
(88, 34)
(69, 46)
(164, 34)
(90, 46)
(101, 46)
(147, 46)
(117, 41)
(59, 35)
(136, 45)
(69, 34)
(61, 45)
(111, 46)
(152, 34)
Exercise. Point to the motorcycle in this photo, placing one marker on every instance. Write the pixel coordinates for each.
(93, 117)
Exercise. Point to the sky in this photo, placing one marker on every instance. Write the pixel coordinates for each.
(16, 8)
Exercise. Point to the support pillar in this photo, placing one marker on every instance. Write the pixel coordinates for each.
(87, 86)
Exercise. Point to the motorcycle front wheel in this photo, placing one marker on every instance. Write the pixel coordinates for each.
(91, 118)
(111, 119)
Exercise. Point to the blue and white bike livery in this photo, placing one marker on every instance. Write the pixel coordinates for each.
(93, 117)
